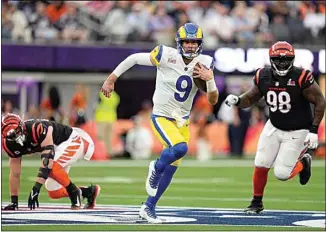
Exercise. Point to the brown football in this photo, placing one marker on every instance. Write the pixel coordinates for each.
(201, 84)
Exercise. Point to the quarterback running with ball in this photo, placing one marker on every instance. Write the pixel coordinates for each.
(173, 97)
(292, 128)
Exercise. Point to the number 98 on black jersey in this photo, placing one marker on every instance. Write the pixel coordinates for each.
(288, 109)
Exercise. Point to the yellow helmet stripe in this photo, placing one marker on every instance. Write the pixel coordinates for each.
(182, 33)
(199, 33)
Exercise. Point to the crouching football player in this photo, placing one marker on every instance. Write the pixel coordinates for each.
(60, 146)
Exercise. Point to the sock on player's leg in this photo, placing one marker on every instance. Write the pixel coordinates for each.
(164, 159)
(72, 189)
(59, 175)
(296, 170)
(259, 181)
(164, 184)
(86, 191)
(169, 155)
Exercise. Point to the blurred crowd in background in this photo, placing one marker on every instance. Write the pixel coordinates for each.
(119, 22)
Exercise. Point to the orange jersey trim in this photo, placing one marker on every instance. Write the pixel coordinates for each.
(301, 76)
(257, 76)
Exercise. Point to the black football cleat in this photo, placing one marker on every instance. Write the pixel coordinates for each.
(94, 191)
(305, 174)
(255, 207)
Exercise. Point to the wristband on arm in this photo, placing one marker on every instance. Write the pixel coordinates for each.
(238, 103)
(211, 86)
(314, 129)
(37, 186)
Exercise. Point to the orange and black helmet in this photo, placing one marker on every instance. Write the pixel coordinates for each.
(281, 55)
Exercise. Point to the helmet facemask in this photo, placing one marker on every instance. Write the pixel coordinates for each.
(282, 64)
(17, 136)
(189, 55)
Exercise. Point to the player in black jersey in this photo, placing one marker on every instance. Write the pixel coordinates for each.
(290, 134)
(60, 146)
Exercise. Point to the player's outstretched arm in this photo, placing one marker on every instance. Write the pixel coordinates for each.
(14, 182)
(47, 156)
(314, 95)
(245, 100)
(130, 61)
(14, 176)
(250, 97)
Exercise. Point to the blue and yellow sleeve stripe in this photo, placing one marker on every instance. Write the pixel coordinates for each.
(156, 54)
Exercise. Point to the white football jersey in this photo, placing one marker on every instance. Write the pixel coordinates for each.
(175, 88)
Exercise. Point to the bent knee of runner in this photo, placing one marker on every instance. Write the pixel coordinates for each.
(180, 150)
(282, 173)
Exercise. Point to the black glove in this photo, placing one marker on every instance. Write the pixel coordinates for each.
(13, 205)
(33, 198)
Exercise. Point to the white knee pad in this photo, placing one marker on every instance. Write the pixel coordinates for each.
(52, 185)
(282, 172)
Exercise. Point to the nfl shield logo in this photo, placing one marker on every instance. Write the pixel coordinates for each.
(277, 83)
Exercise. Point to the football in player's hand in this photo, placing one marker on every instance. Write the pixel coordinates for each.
(201, 84)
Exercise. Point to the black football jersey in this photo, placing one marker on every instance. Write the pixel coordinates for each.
(288, 109)
(35, 132)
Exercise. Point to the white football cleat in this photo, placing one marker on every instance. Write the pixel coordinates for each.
(148, 213)
(153, 179)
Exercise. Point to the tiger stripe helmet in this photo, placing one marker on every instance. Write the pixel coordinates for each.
(281, 55)
(189, 31)
(12, 128)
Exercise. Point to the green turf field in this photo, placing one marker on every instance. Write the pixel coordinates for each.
(217, 184)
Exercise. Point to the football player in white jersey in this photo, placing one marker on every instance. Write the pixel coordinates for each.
(173, 97)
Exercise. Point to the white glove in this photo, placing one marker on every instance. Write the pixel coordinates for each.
(312, 140)
(231, 100)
